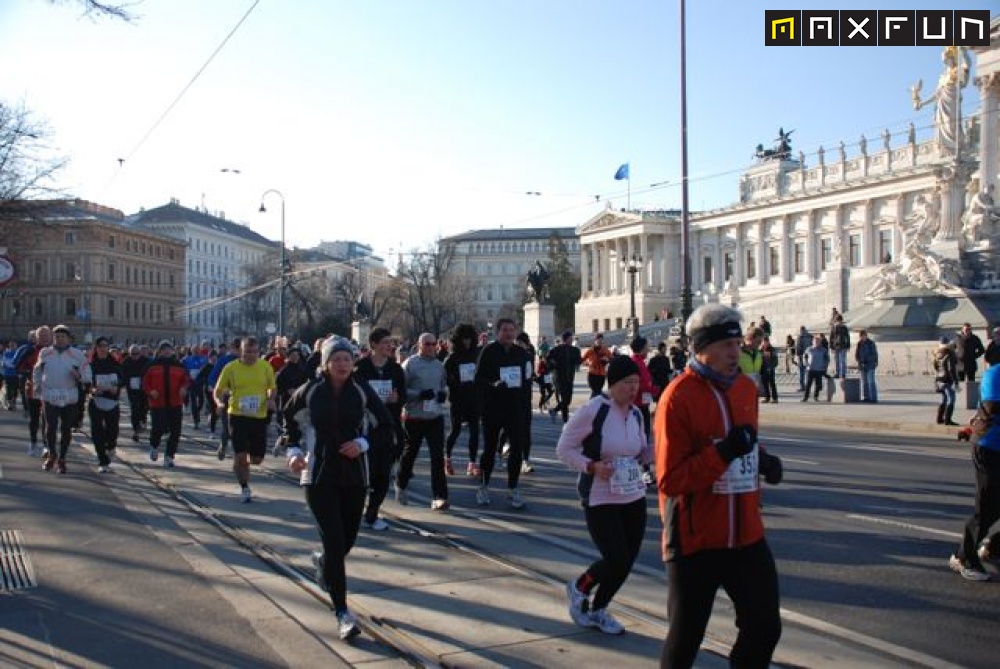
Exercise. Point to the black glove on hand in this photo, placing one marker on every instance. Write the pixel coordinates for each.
(500, 384)
(441, 396)
(771, 467)
(427, 394)
(739, 441)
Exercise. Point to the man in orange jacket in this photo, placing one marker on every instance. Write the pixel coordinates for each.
(707, 468)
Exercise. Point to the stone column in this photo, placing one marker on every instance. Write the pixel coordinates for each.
(763, 255)
(868, 250)
(584, 271)
(989, 93)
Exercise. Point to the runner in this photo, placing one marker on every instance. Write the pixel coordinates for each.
(460, 373)
(386, 377)
(58, 372)
(606, 442)
(133, 369)
(596, 359)
(248, 385)
(193, 362)
(422, 419)
(563, 361)
(165, 383)
(23, 370)
(326, 425)
(40, 338)
(226, 356)
(103, 407)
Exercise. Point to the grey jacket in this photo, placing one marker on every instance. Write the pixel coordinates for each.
(817, 359)
(423, 374)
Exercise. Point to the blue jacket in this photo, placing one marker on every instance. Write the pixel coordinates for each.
(986, 423)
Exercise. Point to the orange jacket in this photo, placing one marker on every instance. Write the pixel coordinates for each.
(596, 360)
(689, 420)
(163, 383)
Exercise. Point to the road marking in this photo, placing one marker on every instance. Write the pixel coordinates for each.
(945, 455)
(905, 526)
(799, 462)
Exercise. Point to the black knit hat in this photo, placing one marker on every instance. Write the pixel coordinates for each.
(620, 367)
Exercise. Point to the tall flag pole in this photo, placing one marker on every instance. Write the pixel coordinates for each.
(623, 173)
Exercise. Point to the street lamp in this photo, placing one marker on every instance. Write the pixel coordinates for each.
(633, 266)
(281, 265)
(686, 307)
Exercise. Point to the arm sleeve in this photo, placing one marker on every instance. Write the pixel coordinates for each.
(683, 465)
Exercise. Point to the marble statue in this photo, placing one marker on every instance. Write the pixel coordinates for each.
(955, 76)
(979, 221)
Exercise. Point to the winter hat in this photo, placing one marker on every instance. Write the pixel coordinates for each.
(61, 329)
(331, 346)
(166, 343)
(620, 367)
(639, 343)
(102, 340)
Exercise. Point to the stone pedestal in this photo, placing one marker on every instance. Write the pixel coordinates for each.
(539, 319)
(360, 331)
(971, 395)
(850, 390)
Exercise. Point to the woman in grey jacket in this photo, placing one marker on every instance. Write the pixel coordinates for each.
(817, 360)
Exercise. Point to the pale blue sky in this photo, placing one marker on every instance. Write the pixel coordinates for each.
(393, 122)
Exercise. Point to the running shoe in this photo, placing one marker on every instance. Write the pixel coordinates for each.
(61, 466)
(378, 525)
(968, 571)
(135, 437)
(318, 560)
(483, 496)
(986, 556)
(49, 463)
(401, 497)
(604, 621)
(448, 469)
(579, 606)
(472, 469)
(505, 449)
(246, 495)
(154, 455)
(514, 498)
(221, 452)
(104, 469)
(440, 505)
(347, 626)
(527, 468)
(168, 462)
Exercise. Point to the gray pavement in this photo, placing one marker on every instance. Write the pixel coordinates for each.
(126, 573)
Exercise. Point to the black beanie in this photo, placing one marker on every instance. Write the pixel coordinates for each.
(620, 367)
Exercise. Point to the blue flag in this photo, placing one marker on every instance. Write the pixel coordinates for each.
(622, 172)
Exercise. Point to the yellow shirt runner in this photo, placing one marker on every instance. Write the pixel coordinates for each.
(250, 386)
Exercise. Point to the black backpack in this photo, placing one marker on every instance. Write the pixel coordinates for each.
(592, 447)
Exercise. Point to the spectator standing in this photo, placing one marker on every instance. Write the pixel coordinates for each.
(840, 342)
(751, 362)
(768, 371)
(969, 348)
(817, 360)
(945, 380)
(764, 326)
(866, 356)
(789, 353)
(659, 368)
(802, 344)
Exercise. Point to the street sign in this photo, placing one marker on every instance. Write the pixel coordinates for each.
(270, 328)
(7, 270)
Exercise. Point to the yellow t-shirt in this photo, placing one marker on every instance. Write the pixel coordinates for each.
(249, 387)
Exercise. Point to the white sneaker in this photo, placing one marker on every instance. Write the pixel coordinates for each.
(154, 455)
(378, 525)
(347, 626)
(483, 496)
(605, 622)
(104, 469)
(439, 505)
(967, 571)
(401, 497)
(986, 556)
(527, 468)
(514, 498)
(579, 606)
(246, 495)
(505, 449)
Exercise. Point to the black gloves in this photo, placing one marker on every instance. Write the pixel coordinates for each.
(441, 396)
(770, 466)
(427, 394)
(739, 441)
(500, 384)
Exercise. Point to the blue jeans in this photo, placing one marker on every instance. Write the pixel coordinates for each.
(869, 391)
(802, 376)
(840, 362)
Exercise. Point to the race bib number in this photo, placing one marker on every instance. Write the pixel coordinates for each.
(741, 475)
(431, 406)
(467, 372)
(59, 397)
(381, 388)
(511, 376)
(135, 383)
(627, 477)
(250, 404)
(106, 381)
(547, 378)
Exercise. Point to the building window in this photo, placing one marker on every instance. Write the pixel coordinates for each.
(128, 275)
(38, 307)
(706, 270)
(70, 307)
(885, 245)
(728, 265)
(128, 311)
(751, 264)
(38, 270)
(171, 279)
(111, 308)
(618, 323)
(825, 252)
(70, 238)
(774, 261)
(111, 241)
(854, 250)
(800, 257)
(111, 271)
(143, 311)
(170, 254)
(70, 272)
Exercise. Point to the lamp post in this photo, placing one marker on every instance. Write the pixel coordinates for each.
(633, 266)
(686, 308)
(281, 261)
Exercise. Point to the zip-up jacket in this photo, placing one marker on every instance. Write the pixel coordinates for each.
(107, 382)
(563, 360)
(53, 378)
(392, 372)
(693, 415)
(134, 368)
(423, 374)
(495, 364)
(168, 378)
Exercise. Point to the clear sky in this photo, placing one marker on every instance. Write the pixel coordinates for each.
(393, 122)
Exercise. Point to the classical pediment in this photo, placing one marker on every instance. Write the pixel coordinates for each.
(607, 220)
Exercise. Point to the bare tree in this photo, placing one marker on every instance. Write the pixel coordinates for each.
(28, 163)
(114, 10)
(438, 297)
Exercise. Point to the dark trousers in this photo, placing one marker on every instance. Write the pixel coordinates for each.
(459, 413)
(815, 378)
(337, 510)
(61, 421)
(10, 386)
(769, 384)
(166, 421)
(596, 383)
(564, 395)
(196, 398)
(213, 409)
(23, 384)
(416, 432)
(379, 475)
(617, 530)
(526, 426)
(987, 511)
(103, 430)
(968, 372)
(139, 407)
(510, 423)
(34, 420)
(749, 577)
